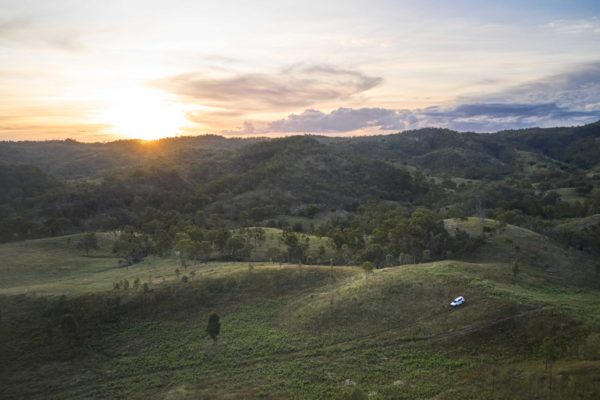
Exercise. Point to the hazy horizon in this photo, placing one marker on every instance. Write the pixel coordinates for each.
(268, 136)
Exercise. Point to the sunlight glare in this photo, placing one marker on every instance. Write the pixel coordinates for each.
(142, 114)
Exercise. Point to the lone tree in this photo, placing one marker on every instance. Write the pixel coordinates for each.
(367, 266)
(214, 326)
(185, 248)
(88, 242)
(358, 394)
(549, 352)
(131, 246)
(68, 326)
(515, 270)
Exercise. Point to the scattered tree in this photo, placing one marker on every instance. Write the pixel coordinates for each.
(214, 326)
(88, 242)
(515, 270)
(550, 353)
(49, 332)
(367, 266)
(548, 350)
(131, 246)
(68, 326)
(358, 394)
(185, 248)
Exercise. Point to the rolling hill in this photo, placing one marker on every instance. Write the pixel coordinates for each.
(305, 332)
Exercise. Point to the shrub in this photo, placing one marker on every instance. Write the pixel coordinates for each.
(214, 326)
(68, 326)
(358, 394)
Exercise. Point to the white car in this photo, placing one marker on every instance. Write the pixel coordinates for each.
(459, 301)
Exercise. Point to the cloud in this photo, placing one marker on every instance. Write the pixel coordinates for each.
(27, 31)
(297, 86)
(489, 117)
(340, 120)
(569, 98)
(478, 117)
(575, 27)
(575, 88)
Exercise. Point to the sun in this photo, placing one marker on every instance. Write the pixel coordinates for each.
(141, 113)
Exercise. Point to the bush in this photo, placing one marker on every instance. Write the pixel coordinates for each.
(68, 326)
(214, 326)
(358, 394)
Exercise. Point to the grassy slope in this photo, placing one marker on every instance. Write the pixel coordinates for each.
(55, 266)
(298, 333)
(579, 224)
(272, 241)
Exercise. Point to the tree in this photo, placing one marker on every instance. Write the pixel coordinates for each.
(296, 248)
(550, 354)
(259, 235)
(234, 246)
(59, 226)
(515, 270)
(367, 266)
(221, 238)
(185, 248)
(205, 248)
(68, 326)
(214, 326)
(49, 332)
(88, 242)
(131, 246)
(358, 394)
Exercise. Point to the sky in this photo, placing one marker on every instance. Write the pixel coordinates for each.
(105, 70)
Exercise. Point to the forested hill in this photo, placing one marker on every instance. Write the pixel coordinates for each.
(72, 159)
(542, 179)
(434, 150)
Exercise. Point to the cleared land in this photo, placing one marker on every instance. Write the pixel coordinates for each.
(306, 333)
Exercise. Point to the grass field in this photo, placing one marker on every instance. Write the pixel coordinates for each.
(569, 195)
(272, 241)
(310, 332)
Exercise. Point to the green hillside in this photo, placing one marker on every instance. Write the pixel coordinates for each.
(331, 263)
(305, 332)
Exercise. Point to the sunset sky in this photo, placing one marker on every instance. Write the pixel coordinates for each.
(103, 70)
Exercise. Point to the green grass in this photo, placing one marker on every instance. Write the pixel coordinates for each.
(272, 241)
(543, 258)
(287, 332)
(579, 224)
(569, 195)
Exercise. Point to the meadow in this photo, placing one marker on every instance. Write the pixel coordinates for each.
(294, 331)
